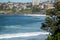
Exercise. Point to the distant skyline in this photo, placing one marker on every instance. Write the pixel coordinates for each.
(20, 0)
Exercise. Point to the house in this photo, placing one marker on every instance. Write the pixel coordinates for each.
(46, 5)
(10, 5)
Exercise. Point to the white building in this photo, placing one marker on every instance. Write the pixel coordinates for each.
(35, 2)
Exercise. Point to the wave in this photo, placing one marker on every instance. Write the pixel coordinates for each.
(34, 15)
(4, 36)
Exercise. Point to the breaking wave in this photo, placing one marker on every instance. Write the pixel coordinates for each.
(34, 15)
(4, 36)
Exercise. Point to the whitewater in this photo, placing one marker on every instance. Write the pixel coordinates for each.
(23, 34)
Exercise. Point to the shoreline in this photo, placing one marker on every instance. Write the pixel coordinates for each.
(26, 14)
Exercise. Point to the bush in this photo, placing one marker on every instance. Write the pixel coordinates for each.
(49, 38)
(55, 37)
(36, 9)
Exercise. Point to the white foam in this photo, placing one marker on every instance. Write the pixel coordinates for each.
(22, 34)
(34, 15)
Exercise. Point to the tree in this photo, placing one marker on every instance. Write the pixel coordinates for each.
(14, 9)
(1, 7)
(36, 9)
(53, 22)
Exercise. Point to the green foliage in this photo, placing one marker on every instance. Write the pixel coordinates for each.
(14, 9)
(49, 38)
(1, 7)
(55, 37)
(51, 12)
(36, 9)
(57, 6)
(26, 10)
(53, 22)
(55, 11)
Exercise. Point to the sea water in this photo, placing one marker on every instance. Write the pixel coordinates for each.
(20, 27)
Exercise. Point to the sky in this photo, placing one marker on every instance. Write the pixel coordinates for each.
(20, 0)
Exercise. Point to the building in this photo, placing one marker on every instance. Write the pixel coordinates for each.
(10, 5)
(28, 5)
(46, 5)
(35, 2)
(57, 0)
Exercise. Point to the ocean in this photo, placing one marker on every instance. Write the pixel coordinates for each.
(20, 27)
